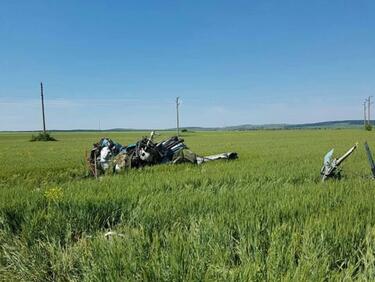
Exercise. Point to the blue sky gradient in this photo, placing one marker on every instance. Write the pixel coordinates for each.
(231, 62)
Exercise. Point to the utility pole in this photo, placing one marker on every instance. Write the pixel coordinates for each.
(178, 116)
(364, 113)
(368, 110)
(44, 118)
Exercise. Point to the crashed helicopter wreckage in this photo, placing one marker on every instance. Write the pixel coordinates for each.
(110, 156)
(331, 166)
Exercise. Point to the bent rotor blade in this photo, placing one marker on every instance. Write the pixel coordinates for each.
(370, 159)
(346, 155)
(222, 156)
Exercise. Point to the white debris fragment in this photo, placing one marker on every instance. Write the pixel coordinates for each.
(110, 234)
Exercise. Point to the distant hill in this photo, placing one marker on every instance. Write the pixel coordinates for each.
(331, 124)
(317, 125)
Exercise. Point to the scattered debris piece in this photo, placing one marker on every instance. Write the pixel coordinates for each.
(370, 159)
(330, 167)
(107, 155)
(111, 234)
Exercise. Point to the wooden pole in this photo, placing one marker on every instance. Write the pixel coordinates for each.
(368, 110)
(364, 114)
(178, 117)
(44, 118)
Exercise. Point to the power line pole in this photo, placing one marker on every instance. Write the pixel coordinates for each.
(364, 113)
(178, 116)
(368, 110)
(44, 118)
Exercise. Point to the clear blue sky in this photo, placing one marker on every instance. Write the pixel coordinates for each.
(231, 62)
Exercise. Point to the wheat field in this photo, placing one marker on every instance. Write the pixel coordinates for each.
(265, 216)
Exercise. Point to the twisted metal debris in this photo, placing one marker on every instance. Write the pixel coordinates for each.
(110, 156)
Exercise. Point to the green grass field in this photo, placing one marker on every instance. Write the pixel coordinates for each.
(265, 216)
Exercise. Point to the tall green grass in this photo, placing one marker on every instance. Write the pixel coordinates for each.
(265, 216)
